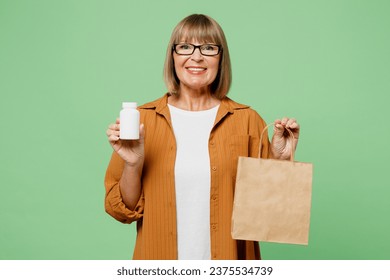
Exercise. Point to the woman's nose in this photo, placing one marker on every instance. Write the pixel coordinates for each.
(197, 55)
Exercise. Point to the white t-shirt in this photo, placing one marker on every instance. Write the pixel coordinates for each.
(192, 181)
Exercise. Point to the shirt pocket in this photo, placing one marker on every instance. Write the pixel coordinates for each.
(242, 146)
(238, 146)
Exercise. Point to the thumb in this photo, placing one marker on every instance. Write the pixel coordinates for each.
(278, 130)
(141, 131)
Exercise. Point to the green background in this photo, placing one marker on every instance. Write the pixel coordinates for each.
(66, 66)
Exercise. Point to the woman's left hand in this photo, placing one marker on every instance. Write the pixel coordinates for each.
(281, 144)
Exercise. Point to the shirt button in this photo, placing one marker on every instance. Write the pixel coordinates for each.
(214, 197)
(212, 143)
(214, 227)
(214, 168)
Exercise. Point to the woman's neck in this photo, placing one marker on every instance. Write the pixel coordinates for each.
(193, 100)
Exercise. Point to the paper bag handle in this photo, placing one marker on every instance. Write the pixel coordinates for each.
(292, 140)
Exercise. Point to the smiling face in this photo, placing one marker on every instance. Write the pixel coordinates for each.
(196, 72)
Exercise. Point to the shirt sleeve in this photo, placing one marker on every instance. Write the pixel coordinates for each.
(114, 204)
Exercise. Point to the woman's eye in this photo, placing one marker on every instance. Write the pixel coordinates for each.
(184, 46)
(208, 47)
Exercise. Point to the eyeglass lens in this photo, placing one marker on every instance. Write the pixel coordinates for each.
(187, 49)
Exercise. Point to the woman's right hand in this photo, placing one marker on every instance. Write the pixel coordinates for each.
(131, 151)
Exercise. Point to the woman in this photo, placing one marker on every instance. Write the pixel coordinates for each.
(177, 181)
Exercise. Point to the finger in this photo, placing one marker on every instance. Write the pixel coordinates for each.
(278, 129)
(113, 138)
(277, 124)
(118, 120)
(115, 126)
(290, 122)
(277, 121)
(110, 132)
(141, 131)
(294, 126)
(284, 121)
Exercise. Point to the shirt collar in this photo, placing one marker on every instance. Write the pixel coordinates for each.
(160, 105)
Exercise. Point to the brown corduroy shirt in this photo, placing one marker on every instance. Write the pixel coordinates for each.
(236, 132)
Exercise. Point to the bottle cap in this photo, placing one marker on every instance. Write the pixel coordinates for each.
(129, 105)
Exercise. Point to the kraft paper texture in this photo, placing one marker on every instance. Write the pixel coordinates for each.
(272, 201)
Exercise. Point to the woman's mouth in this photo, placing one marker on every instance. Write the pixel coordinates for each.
(196, 70)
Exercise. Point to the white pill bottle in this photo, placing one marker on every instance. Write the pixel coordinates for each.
(129, 121)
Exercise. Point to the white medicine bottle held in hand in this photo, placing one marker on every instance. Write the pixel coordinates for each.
(129, 121)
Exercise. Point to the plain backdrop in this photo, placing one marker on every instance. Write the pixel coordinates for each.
(66, 66)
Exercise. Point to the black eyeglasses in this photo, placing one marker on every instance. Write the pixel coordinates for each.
(188, 49)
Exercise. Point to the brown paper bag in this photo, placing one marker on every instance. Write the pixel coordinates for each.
(272, 200)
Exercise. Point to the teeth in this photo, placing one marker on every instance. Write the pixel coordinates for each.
(196, 69)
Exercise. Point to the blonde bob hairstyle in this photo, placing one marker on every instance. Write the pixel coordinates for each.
(203, 29)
